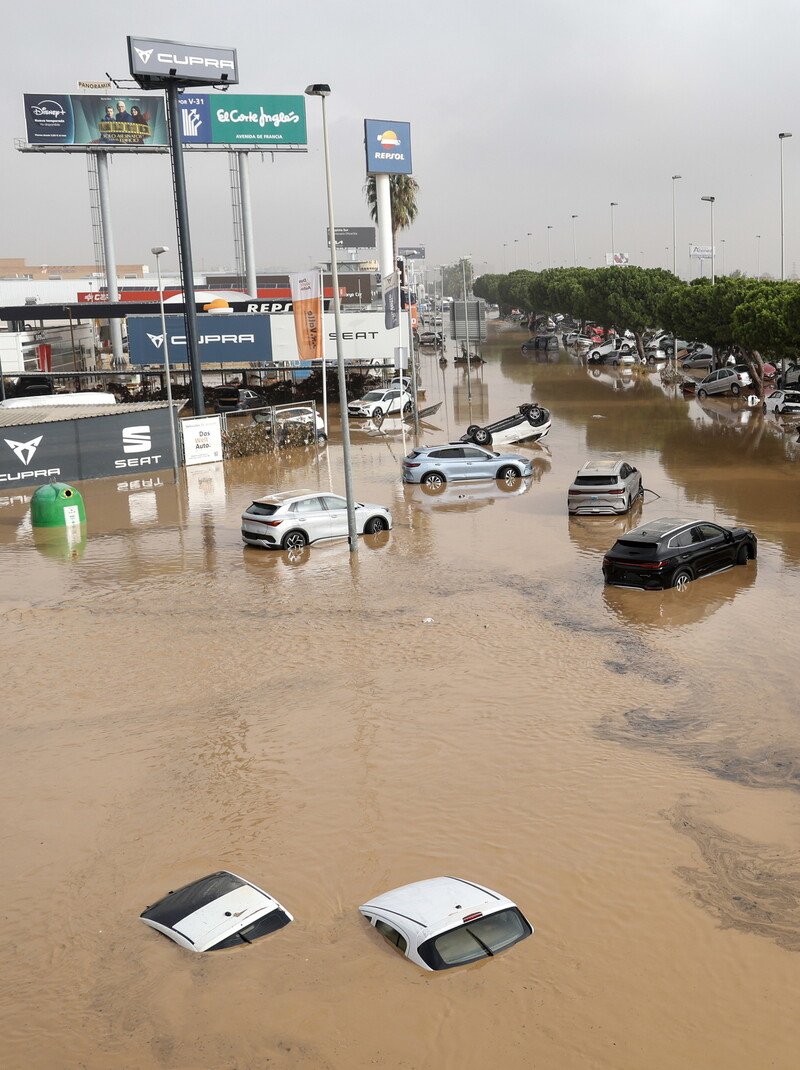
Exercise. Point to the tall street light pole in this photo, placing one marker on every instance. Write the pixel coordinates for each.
(574, 246)
(549, 259)
(614, 204)
(722, 243)
(516, 264)
(782, 138)
(530, 251)
(505, 246)
(710, 201)
(674, 229)
(157, 252)
(322, 91)
(466, 323)
(758, 256)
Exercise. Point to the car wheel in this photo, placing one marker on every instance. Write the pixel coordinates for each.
(651, 359)
(321, 436)
(483, 437)
(375, 525)
(524, 349)
(508, 472)
(294, 540)
(681, 579)
(434, 481)
(534, 415)
(377, 414)
(743, 556)
(736, 389)
(702, 394)
(471, 430)
(764, 407)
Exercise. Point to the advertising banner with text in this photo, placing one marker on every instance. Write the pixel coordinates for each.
(242, 119)
(307, 308)
(236, 338)
(388, 146)
(105, 121)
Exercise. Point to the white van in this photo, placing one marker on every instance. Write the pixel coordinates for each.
(47, 401)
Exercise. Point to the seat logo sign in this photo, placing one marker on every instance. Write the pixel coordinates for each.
(136, 439)
(24, 450)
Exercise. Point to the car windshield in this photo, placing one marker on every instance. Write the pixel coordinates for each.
(373, 395)
(476, 939)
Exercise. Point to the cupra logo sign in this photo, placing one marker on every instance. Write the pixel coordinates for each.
(24, 450)
(389, 140)
(144, 54)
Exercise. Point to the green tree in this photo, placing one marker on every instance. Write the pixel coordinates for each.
(628, 298)
(766, 322)
(454, 275)
(403, 189)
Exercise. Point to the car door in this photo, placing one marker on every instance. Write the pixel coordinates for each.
(391, 401)
(712, 550)
(478, 464)
(337, 515)
(312, 517)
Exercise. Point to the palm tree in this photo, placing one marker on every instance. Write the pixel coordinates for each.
(403, 189)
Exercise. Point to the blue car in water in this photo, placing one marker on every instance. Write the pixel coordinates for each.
(434, 466)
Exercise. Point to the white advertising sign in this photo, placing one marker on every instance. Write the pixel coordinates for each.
(202, 439)
(617, 259)
(700, 252)
(364, 336)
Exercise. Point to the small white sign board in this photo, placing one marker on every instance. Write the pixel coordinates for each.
(202, 439)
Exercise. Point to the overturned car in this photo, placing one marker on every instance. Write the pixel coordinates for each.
(529, 424)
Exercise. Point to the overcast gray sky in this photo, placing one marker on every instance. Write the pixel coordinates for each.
(522, 114)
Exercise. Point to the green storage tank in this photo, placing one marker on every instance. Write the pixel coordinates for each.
(57, 505)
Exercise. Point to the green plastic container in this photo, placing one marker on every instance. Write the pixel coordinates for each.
(57, 505)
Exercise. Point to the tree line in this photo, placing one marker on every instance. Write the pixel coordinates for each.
(757, 318)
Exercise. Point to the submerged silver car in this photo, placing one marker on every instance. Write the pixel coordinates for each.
(436, 465)
(606, 486)
(292, 521)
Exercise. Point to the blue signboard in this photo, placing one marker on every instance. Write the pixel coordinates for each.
(233, 338)
(388, 146)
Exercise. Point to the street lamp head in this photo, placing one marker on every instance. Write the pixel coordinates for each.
(549, 226)
(157, 250)
(573, 217)
(676, 176)
(615, 204)
(319, 89)
(709, 199)
(784, 135)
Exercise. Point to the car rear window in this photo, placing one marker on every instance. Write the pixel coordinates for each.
(633, 548)
(270, 923)
(191, 897)
(475, 940)
(262, 509)
(594, 481)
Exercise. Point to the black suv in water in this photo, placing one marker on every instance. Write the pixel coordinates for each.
(670, 552)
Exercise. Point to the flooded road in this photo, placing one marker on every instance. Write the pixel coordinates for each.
(624, 766)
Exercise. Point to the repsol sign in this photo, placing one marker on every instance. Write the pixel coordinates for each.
(234, 337)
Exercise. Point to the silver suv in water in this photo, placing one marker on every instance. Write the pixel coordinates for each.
(609, 485)
(436, 465)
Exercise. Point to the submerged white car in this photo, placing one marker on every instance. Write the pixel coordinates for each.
(782, 401)
(290, 521)
(376, 404)
(216, 912)
(447, 921)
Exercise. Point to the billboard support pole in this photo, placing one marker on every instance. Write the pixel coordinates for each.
(184, 248)
(383, 201)
(109, 254)
(247, 224)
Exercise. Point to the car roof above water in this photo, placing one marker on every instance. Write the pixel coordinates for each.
(601, 466)
(438, 902)
(657, 529)
(284, 497)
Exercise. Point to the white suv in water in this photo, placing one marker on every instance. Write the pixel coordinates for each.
(379, 403)
(292, 521)
(606, 486)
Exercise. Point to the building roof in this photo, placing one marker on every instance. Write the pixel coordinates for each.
(45, 414)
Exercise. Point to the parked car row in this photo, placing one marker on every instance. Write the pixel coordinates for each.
(437, 924)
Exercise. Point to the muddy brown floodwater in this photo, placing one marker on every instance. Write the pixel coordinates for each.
(625, 766)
